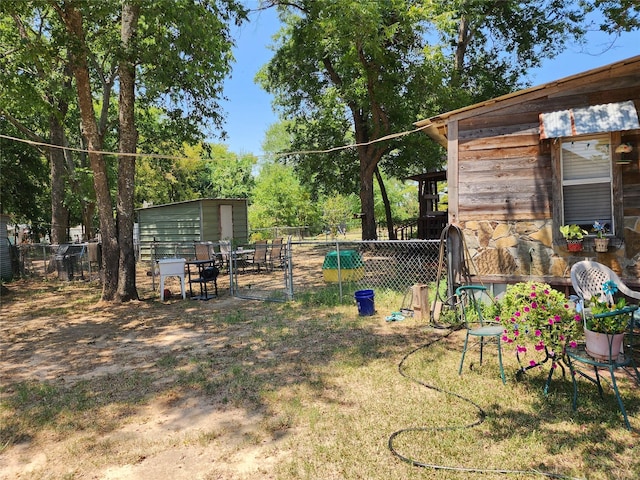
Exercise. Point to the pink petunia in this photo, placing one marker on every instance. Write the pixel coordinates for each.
(533, 295)
(505, 338)
(517, 314)
(573, 344)
(538, 333)
(540, 346)
(557, 319)
(546, 291)
(522, 349)
(533, 363)
(526, 309)
(561, 338)
(551, 321)
(534, 305)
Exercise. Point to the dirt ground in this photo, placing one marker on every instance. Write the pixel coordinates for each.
(139, 431)
(167, 435)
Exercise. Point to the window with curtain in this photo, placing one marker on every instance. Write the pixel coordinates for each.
(587, 181)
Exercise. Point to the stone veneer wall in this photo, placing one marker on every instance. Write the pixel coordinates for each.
(523, 248)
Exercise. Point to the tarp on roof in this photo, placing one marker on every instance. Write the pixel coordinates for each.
(609, 117)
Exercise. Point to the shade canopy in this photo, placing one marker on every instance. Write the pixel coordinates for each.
(609, 117)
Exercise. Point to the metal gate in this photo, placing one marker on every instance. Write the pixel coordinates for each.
(267, 277)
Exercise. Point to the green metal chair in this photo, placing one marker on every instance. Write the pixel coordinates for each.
(469, 297)
(579, 355)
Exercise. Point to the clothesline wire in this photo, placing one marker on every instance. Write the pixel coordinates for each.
(175, 157)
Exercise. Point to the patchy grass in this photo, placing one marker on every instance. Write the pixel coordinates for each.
(306, 389)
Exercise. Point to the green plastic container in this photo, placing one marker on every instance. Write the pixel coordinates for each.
(351, 266)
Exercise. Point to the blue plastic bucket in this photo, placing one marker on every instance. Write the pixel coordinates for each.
(364, 299)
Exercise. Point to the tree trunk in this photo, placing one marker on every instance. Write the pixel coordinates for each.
(387, 205)
(369, 231)
(110, 251)
(126, 164)
(59, 213)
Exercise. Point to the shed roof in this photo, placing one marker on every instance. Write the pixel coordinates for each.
(436, 128)
(195, 200)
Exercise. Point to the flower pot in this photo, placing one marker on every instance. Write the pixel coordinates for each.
(597, 344)
(602, 244)
(574, 245)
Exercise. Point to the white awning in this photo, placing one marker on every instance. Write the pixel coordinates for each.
(610, 117)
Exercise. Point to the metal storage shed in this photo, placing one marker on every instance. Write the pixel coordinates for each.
(206, 219)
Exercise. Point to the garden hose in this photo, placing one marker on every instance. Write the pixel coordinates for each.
(481, 417)
(464, 271)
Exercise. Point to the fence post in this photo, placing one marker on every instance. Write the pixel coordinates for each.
(339, 270)
(289, 270)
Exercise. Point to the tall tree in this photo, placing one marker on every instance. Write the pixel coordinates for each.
(335, 57)
(36, 84)
(126, 163)
(72, 19)
(346, 70)
(180, 69)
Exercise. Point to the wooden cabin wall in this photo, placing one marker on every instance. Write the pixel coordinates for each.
(631, 175)
(503, 172)
(505, 189)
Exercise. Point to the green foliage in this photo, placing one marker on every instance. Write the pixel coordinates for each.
(337, 211)
(609, 324)
(538, 319)
(402, 196)
(599, 316)
(24, 182)
(620, 15)
(572, 232)
(279, 199)
(227, 174)
(207, 171)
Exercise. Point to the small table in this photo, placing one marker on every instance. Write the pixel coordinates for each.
(171, 267)
(201, 278)
(240, 257)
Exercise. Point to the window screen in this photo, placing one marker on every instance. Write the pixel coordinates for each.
(586, 181)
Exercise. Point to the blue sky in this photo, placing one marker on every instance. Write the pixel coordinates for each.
(248, 109)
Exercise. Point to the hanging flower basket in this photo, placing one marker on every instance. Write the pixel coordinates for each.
(574, 245)
(602, 244)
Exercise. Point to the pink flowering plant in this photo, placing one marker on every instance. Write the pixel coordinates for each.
(539, 322)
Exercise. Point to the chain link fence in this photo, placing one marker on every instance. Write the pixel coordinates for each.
(300, 266)
(392, 265)
(69, 261)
